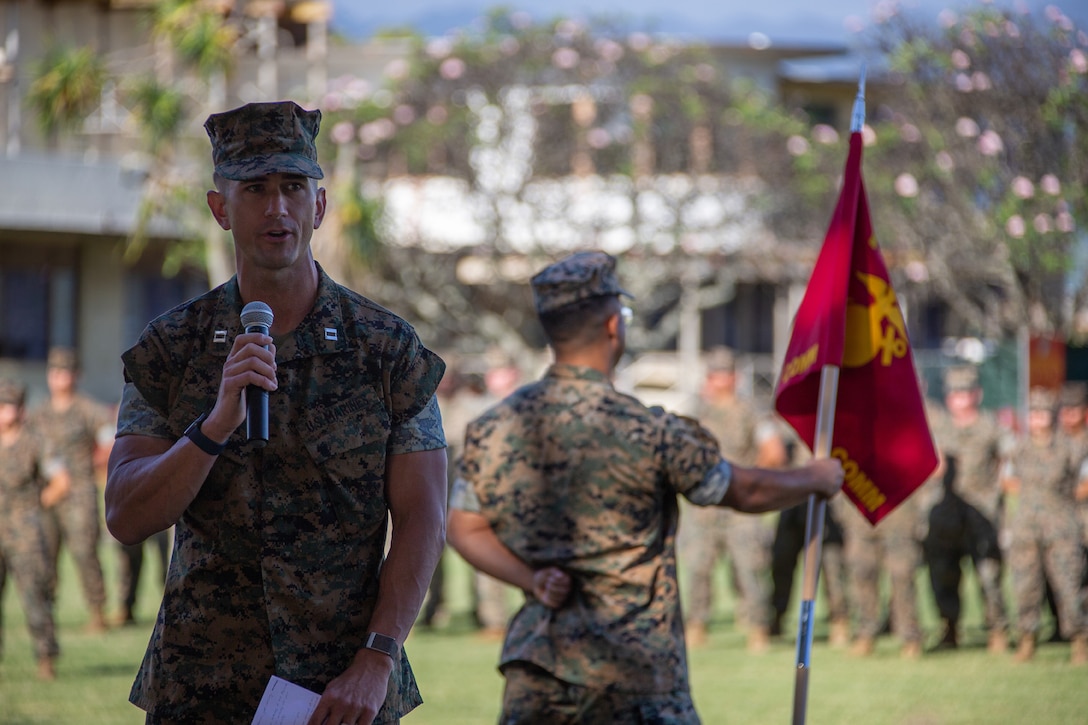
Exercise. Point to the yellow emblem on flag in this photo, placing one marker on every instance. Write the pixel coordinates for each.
(876, 328)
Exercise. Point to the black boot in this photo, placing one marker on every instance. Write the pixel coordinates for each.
(948, 639)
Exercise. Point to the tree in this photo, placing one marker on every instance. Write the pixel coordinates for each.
(975, 163)
(991, 161)
(192, 33)
(555, 134)
(66, 87)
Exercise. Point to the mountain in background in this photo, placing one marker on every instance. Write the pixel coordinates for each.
(358, 22)
(785, 22)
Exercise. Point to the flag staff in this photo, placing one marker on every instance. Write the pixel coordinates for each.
(817, 507)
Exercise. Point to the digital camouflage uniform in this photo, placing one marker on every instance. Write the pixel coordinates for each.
(571, 473)
(72, 435)
(23, 550)
(966, 520)
(892, 548)
(1070, 424)
(275, 563)
(707, 533)
(1045, 536)
(1081, 444)
(1074, 394)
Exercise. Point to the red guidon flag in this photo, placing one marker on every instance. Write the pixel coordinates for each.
(850, 318)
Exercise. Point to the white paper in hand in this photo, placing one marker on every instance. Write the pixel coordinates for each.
(285, 703)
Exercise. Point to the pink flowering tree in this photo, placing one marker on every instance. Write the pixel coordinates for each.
(979, 162)
(975, 159)
(976, 163)
(504, 108)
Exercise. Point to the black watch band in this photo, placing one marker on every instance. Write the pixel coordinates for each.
(382, 643)
(202, 441)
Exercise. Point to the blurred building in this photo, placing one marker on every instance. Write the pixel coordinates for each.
(69, 202)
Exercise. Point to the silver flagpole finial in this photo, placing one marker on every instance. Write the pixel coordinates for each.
(857, 121)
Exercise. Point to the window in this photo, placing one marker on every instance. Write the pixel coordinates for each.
(38, 294)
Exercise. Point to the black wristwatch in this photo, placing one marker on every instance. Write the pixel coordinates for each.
(382, 643)
(202, 441)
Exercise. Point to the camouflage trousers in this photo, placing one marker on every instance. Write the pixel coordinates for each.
(1047, 542)
(705, 536)
(957, 530)
(151, 719)
(75, 522)
(492, 607)
(532, 696)
(23, 554)
(869, 555)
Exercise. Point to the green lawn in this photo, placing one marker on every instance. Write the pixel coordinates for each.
(461, 686)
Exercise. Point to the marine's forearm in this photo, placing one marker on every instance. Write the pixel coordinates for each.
(472, 538)
(417, 502)
(150, 483)
(756, 490)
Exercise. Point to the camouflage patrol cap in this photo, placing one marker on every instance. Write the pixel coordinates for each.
(62, 358)
(1040, 398)
(721, 359)
(264, 138)
(960, 378)
(12, 392)
(575, 278)
(1073, 393)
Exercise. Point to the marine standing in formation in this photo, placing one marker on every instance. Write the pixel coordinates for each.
(1045, 542)
(29, 477)
(1072, 410)
(75, 426)
(708, 533)
(967, 518)
(891, 547)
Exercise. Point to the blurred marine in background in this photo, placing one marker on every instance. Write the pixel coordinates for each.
(76, 429)
(708, 533)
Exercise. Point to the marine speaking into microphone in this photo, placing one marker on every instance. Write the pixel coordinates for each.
(257, 317)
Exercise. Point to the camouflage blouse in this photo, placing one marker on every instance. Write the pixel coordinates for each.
(978, 449)
(276, 561)
(72, 435)
(570, 472)
(1048, 474)
(26, 466)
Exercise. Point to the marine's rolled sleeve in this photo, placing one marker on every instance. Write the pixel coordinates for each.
(136, 416)
(463, 497)
(693, 460)
(415, 375)
(714, 485)
(422, 432)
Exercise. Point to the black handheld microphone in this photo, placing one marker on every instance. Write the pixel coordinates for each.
(257, 317)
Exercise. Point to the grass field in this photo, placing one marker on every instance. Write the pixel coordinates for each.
(461, 686)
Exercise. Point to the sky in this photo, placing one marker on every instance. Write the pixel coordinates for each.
(823, 22)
